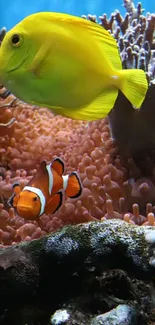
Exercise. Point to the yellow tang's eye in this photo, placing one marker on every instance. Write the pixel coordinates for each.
(16, 40)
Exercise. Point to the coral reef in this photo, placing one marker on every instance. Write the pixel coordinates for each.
(118, 182)
(91, 270)
(108, 193)
(135, 36)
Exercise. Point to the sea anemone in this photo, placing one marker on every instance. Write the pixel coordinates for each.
(114, 156)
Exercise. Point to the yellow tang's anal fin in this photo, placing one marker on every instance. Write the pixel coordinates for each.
(97, 109)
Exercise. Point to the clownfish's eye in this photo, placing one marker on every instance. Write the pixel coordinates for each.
(16, 40)
(35, 198)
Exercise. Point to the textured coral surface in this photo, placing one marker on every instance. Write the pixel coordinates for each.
(112, 188)
(86, 147)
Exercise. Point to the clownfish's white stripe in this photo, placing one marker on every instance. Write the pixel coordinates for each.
(50, 178)
(65, 181)
(40, 194)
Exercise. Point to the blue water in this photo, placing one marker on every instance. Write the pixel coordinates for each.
(12, 11)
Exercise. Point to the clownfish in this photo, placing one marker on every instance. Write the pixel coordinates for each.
(44, 192)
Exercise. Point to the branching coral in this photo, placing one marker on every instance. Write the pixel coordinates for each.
(134, 34)
(115, 184)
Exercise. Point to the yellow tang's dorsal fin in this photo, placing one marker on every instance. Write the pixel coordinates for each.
(66, 19)
(105, 47)
(104, 39)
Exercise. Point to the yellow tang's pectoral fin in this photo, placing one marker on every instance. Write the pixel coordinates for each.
(40, 60)
(97, 109)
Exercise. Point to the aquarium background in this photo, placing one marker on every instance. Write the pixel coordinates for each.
(15, 10)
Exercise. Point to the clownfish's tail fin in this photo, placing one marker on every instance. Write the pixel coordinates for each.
(72, 185)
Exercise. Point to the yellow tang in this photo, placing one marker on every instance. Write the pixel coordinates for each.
(68, 64)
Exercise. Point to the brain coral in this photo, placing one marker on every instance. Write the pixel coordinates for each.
(113, 187)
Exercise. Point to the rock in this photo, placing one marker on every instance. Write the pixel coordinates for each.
(139, 140)
(87, 270)
(19, 274)
(121, 315)
(150, 239)
(60, 317)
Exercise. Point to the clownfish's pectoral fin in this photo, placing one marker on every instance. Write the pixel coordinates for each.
(15, 200)
(16, 188)
(74, 186)
(10, 201)
(58, 165)
(14, 197)
(54, 203)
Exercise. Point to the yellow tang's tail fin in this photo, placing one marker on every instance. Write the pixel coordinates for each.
(134, 85)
